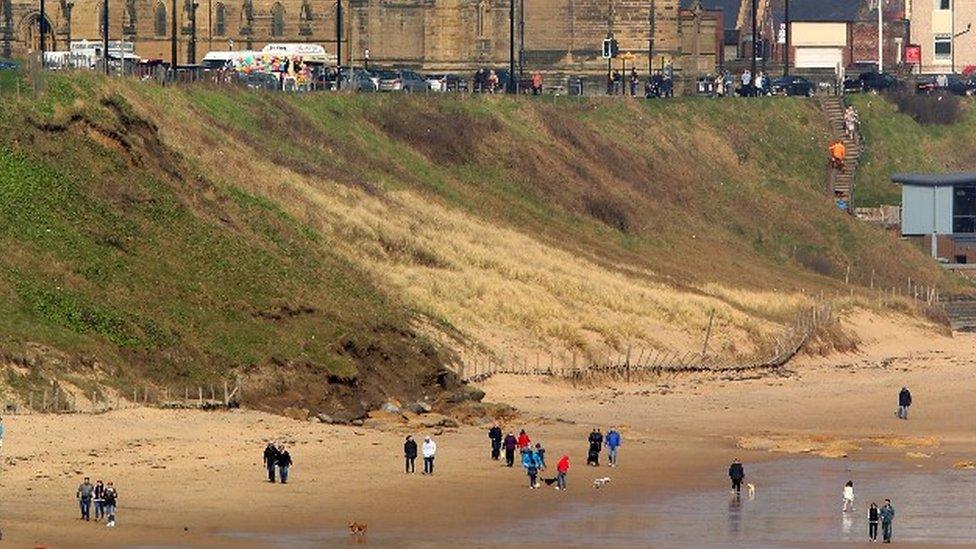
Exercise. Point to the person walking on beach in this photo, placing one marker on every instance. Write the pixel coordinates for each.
(540, 452)
(848, 497)
(110, 497)
(873, 522)
(284, 463)
(613, 443)
(410, 454)
(271, 460)
(429, 449)
(530, 461)
(523, 440)
(99, 500)
(562, 467)
(736, 473)
(904, 401)
(887, 516)
(85, 492)
(495, 435)
(596, 442)
(510, 444)
(1, 435)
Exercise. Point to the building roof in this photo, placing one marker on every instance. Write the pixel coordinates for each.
(825, 11)
(935, 179)
(730, 9)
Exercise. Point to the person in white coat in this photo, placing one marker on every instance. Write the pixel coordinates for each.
(428, 450)
(848, 497)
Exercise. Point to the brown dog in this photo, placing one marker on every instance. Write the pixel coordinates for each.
(358, 528)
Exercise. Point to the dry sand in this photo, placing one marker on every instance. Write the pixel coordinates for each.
(188, 477)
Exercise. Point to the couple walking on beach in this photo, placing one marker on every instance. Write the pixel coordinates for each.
(597, 441)
(277, 457)
(104, 497)
(429, 450)
(885, 515)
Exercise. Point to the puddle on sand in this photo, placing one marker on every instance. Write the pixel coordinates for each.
(797, 502)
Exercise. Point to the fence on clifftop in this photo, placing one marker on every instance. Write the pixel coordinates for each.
(630, 365)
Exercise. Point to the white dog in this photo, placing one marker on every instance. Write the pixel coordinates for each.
(752, 490)
(598, 483)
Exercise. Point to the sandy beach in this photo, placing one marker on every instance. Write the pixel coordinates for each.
(189, 478)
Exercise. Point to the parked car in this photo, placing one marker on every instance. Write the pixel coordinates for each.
(952, 83)
(359, 80)
(872, 82)
(401, 80)
(792, 86)
(446, 83)
(261, 81)
(9, 65)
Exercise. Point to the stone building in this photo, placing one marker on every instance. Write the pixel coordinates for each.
(432, 35)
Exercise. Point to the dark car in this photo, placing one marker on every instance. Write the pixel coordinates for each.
(261, 81)
(401, 80)
(793, 85)
(872, 82)
(9, 65)
(446, 83)
(951, 83)
(359, 80)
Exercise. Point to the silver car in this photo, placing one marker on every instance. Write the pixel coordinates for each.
(401, 80)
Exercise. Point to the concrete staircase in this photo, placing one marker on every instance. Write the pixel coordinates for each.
(961, 312)
(842, 183)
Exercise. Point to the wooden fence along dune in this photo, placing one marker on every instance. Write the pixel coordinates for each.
(633, 364)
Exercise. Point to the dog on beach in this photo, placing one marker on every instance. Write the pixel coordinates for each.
(598, 483)
(752, 490)
(358, 528)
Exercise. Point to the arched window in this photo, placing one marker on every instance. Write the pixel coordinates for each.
(159, 19)
(277, 20)
(220, 20)
(482, 18)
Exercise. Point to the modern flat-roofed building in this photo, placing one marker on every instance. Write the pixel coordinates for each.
(941, 209)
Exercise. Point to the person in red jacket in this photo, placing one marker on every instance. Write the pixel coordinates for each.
(562, 467)
(523, 440)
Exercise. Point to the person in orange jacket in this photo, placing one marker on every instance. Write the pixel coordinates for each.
(838, 152)
(562, 467)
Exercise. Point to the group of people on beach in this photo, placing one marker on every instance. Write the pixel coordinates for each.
(885, 515)
(428, 449)
(103, 496)
(277, 457)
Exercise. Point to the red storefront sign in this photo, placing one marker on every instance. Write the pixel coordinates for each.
(913, 54)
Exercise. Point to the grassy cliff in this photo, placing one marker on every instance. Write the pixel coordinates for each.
(330, 246)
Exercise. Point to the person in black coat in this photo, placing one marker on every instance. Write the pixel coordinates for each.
(510, 444)
(736, 473)
(410, 454)
(284, 463)
(271, 460)
(495, 435)
(904, 401)
(596, 444)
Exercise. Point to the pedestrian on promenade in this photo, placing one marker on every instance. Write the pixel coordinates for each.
(284, 463)
(99, 499)
(634, 81)
(904, 401)
(848, 497)
(746, 82)
(737, 474)
(85, 493)
(887, 516)
(429, 450)
(495, 435)
(536, 83)
(271, 460)
(511, 443)
(562, 467)
(596, 442)
(613, 442)
(410, 454)
(873, 517)
(110, 497)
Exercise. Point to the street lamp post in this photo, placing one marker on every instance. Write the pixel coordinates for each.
(40, 24)
(339, 47)
(172, 44)
(511, 47)
(192, 51)
(68, 4)
(786, 46)
(105, 36)
(755, 38)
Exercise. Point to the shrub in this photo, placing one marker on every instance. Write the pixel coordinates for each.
(609, 212)
(929, 110)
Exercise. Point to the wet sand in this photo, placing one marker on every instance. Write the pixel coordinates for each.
(195, 479)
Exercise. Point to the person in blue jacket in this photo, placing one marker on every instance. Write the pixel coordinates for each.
(531, 463)
(612, 442)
